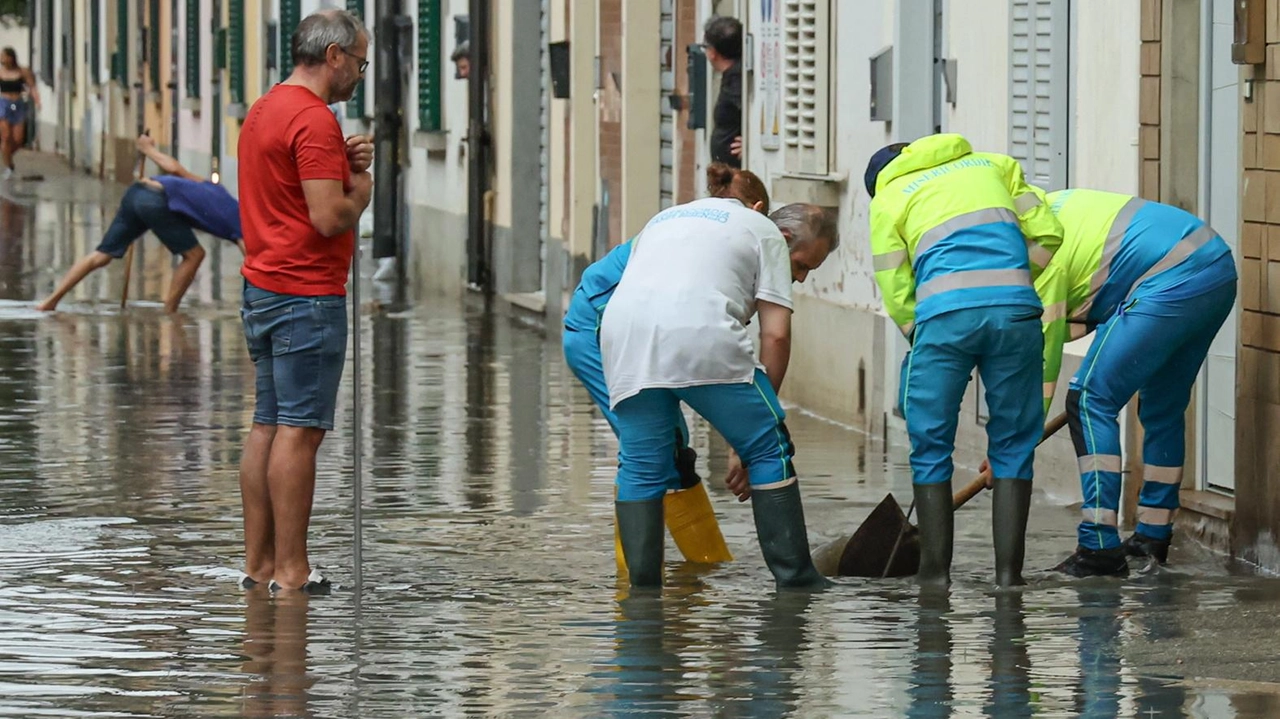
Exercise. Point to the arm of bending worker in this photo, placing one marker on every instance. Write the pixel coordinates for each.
(1039, 225)
(775, 341)
(167, 164)
(892, 266)
(1052, 288)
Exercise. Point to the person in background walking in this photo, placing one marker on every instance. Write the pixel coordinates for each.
(303, 189)
(958, 238)
(1156, 283)
(170, 206)
(14, 80)
(722, 41)
(675, 331)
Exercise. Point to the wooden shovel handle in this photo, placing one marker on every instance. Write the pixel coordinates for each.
(972, 489)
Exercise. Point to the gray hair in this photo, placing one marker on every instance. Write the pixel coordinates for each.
(807, 223)
(462, 51)
(321, 29)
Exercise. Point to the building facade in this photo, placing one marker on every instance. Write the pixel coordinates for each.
(598, 113)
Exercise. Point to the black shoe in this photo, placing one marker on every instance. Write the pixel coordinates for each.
(247, 582)
(1140, 545)
(1095, 563)
(643, 536)
(316, 585)
(784, 541)
(937, 532)
(1010, 505)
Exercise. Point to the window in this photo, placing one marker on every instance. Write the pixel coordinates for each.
(1038, 90)
(355, 106)
(153, 45)
(290, 16)
(806, 58)
(193, 48)
(235, 50)
(120, 58)
(429, 60)
(95, 41)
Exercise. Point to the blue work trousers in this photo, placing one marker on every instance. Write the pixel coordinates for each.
(1154, 347)
(1005, 344)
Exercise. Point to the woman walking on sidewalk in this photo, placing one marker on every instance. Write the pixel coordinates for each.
(14, 80)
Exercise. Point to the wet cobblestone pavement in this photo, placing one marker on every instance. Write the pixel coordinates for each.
(490, 588)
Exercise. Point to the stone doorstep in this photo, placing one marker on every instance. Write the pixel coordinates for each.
(1206, 518)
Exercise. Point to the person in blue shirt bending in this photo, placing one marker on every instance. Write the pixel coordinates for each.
(170, 205)
(689, 515)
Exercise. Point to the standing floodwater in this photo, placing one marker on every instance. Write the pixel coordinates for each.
(489, 571)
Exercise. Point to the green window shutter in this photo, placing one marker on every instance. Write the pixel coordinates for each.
(429, 72)
(120, 58)
(290, 16)
(355, 106)
(235, 49)
(193, 48)
(153, 45)
(95, 41)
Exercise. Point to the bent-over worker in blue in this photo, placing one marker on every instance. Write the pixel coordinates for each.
(958, 238)
(170, 205)
(689, 516)
(1156, 283)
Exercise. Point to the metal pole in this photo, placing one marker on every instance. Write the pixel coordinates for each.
(478, 147)
(357, 425)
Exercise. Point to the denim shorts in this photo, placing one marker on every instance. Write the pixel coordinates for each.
(13, 112)
(142, 209)
(298, 346)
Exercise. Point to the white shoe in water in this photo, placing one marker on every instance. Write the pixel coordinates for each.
(317, 583)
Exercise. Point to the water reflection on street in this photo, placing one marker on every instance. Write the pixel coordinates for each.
(489, 575)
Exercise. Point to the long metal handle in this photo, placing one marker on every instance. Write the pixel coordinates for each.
(357, 449)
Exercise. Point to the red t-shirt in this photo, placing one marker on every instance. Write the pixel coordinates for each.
(290, 135)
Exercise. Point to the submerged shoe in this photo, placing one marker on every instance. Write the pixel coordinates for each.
(247, 582)
(317, 584)
(1095, 563)
(1140, 545)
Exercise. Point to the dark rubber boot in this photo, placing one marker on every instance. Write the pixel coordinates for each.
(1095, 563)
(784, 541)
(642, 533)
(1140, 545)
(1010, 505)
(937, 529)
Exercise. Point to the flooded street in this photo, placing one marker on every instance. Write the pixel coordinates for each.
(489, 585)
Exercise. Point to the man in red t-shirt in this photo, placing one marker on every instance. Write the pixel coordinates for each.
(302, 191)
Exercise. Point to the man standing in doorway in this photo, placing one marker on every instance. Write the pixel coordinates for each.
(722, 41)
(304, 188)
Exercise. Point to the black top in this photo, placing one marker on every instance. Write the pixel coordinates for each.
(727, 117)
(17, 84)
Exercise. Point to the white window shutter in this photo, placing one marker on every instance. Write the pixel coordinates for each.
(807, 82)
(1038, 89)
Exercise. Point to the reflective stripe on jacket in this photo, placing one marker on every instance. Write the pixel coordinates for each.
(951, 228)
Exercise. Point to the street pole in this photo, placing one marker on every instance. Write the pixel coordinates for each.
(478, 148)
(395, 41)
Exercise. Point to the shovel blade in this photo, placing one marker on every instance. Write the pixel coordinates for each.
(868, 551)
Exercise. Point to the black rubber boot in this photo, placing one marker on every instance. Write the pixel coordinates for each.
(784, 541)
(1010, 505)
(1095, 563)
(937, 530)
(643, 535)
(1140, 545)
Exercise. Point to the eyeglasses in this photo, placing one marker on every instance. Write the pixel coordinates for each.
(363, 62)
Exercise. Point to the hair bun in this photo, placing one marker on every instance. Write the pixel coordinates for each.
(719, 178)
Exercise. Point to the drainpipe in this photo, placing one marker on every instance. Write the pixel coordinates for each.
(479, 271)
(174, 106)
(395, 31)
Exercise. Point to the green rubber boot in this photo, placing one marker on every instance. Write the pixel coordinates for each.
(1010, 505)
(937, 532)
(642, 534)
(784, 541)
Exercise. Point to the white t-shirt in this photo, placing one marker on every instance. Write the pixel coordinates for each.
(679, 315)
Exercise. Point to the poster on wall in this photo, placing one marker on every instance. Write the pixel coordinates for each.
(771, 75)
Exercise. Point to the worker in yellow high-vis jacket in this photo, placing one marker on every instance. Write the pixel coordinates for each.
(1156, 283)
(958, 238)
